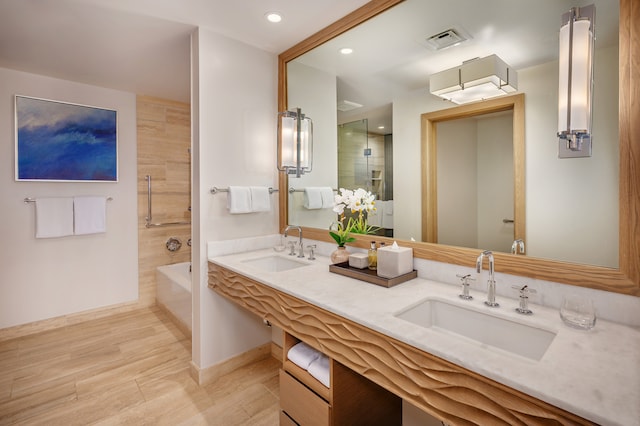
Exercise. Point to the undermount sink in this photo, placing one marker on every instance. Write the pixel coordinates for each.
(274, 263)
(481, 327)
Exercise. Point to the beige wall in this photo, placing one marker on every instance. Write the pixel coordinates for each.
(164, 139)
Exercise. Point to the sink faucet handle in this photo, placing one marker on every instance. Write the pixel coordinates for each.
(524, 299)
(464, 279)
(312, 248)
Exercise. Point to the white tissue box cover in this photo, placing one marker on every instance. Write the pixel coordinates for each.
(359, 260)
(393, 262)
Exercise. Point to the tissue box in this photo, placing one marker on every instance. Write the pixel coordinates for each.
(359, 260)
(394, 261)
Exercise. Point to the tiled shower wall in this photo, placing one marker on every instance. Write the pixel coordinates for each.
(164, 139)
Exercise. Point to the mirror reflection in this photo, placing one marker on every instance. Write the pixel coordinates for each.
(475, 181)
(571, 204)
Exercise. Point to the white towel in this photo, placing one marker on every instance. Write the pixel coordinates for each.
(260, 199)
(387, 217)
(388, 209)
(302, 355)
(320, 370)
(312, 198)
(327, 197)
(374, 217)
(54, 217)
(89, 215)
(239, 199)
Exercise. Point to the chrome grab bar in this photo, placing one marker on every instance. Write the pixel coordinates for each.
(148, 219)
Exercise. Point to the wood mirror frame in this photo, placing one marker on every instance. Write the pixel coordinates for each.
(625, 279)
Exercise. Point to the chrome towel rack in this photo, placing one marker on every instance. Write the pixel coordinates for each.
(215, 190)
(149, 221)
(33, 200)
(292, 190)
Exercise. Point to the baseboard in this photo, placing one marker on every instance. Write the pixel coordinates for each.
(65, 320)
(210, 374)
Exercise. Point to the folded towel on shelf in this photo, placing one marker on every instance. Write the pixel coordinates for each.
(54, 217)
(320, 370)
(302, 355)
(260, 199)
(326, 193)
(89, 215)
(312, 198)
(239, 200)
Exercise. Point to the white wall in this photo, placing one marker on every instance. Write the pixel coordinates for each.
(586, 187)
(234, 106)
(46, 278)
(314, 91)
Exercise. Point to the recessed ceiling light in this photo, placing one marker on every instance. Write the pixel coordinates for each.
(346, 50)
(381, 127)
(273, 17)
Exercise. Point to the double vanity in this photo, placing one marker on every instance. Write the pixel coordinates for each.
(458, 360)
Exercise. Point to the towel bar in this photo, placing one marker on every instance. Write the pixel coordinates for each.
(215, 190)
(33, 200)
(292, 190)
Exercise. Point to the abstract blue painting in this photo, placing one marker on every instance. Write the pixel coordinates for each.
(59, 141)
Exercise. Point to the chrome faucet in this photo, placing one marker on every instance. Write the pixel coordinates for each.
(301, 249)
(491, 283)
(517, 246)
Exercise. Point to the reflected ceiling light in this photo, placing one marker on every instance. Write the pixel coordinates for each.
(576, 82)
(274, 17)
(474, 80)
(346, 51)
(295, 142)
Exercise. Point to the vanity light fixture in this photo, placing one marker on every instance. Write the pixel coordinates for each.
(474, 80)
(295, 142)
(576, 82)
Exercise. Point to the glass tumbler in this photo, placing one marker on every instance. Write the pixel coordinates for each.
(578, 312)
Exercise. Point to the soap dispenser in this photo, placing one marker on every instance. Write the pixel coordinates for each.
(373, 256)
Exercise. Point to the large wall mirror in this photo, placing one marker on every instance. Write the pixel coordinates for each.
(581, 214)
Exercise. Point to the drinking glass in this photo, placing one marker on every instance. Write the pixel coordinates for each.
(578, 312)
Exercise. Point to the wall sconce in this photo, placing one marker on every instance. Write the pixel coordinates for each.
(474, 80)
(576, 82)
(295, 142)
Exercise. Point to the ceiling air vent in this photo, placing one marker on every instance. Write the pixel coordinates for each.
(347, 105)
(445, 39)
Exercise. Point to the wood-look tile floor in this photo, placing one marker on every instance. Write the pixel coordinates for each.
(128, 369)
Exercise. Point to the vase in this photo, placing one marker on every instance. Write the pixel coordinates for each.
(340, 255)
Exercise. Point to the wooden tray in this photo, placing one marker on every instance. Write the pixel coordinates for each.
(370, 276)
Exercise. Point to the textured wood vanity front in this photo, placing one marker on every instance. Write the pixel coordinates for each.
(439, 387)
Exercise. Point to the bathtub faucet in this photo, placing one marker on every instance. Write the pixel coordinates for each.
(301, 248)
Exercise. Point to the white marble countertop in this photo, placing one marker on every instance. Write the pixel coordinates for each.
(594, 374)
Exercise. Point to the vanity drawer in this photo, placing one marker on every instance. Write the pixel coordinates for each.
(301, 404)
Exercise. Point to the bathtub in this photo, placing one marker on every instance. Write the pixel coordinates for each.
(173, 293)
